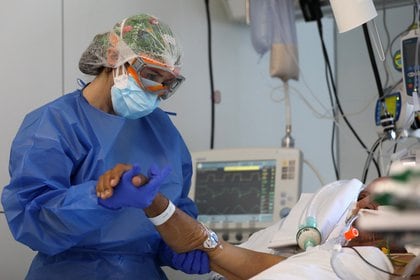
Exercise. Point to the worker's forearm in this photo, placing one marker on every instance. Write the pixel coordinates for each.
(183, 233)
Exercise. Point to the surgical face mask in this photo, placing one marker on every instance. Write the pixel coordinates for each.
(128, 99)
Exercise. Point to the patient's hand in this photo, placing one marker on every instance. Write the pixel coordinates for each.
(127, 194)
(111, 178)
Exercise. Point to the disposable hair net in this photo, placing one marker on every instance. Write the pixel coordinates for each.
(140, 35)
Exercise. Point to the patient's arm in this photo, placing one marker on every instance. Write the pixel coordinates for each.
(182, 233)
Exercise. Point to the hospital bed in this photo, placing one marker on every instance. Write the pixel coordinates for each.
(331, 207)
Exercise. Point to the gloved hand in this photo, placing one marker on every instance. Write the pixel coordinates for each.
(192, 262)
(127, 195)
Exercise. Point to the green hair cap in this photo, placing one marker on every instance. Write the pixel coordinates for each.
(137, 36)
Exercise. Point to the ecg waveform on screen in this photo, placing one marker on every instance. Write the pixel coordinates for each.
(239, 192)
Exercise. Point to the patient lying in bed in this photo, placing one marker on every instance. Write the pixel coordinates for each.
(332, 205)
(331, 208)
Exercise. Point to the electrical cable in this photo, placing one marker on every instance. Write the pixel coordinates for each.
(370, 157)
(336, 96)
(374, 266)
(212, 124)
(372, 60)
(334, 127)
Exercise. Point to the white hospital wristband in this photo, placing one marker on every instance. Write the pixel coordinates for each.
(165, 215)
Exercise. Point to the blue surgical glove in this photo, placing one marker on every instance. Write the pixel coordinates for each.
(192, 262)
(127, 195)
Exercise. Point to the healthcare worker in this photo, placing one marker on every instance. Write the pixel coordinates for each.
(63, 147)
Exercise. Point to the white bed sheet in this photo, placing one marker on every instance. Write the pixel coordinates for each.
(315, 264)
(280, 239)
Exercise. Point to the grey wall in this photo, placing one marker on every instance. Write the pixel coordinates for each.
(42, 42)
(30, 58)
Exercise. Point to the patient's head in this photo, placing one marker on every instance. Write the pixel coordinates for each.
(366, 238)
(364, 201)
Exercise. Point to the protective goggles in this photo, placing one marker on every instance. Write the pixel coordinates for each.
(165, 89)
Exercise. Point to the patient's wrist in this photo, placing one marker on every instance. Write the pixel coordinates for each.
(165, 215)
(158, 206)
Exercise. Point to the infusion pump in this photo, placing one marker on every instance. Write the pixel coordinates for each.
(410, 60)
(240, 191)
(396, 110)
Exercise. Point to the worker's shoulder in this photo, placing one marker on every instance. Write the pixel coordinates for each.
(60, 106)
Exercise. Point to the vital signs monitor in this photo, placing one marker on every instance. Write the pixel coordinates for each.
(240, 191)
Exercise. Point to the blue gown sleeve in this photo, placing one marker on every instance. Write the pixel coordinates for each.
(45, 209)
(184, 202)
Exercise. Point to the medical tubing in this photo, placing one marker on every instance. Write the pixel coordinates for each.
(287, 107)
(287, 141)
(378, 44)
(340, 239)
(387, 49)
(335, 252)
(310, 210)
(316, 172)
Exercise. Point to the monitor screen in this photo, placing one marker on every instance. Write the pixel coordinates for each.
(235, 191)
(244, 188)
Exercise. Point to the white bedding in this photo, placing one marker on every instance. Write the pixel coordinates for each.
(315, 264)
(332, 208)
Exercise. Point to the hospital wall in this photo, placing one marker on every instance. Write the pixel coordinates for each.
(42, 42)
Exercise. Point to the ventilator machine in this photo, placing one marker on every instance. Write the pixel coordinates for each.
(239, 191)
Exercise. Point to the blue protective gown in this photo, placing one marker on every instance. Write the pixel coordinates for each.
(57, 156)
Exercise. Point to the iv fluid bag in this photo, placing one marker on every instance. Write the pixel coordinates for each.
(273, 28)
(284, 52)
(284, 62)
(261, 25)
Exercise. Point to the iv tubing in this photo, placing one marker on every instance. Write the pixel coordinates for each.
(287, 105)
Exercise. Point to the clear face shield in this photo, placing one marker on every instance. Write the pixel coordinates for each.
(166, 82)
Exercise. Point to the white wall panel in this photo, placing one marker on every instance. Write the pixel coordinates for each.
(30, 56)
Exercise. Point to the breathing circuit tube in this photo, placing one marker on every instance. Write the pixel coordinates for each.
(316, 224)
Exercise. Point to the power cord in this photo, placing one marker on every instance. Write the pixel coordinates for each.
(374, 266)
(212, 125)
(324, 49)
